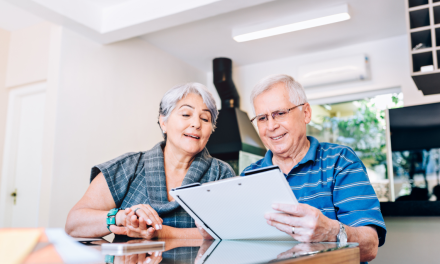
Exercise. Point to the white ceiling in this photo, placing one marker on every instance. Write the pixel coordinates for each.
(199, 42)
(197, 31)
(107, 3)
(115, 20)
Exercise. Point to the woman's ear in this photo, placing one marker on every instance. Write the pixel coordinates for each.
(162, 124)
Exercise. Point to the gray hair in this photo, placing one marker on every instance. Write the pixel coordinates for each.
(296, 91)
(175, 94)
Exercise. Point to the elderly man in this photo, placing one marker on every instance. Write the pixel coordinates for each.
(337, 201)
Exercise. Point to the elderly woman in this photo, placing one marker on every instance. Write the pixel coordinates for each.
(336, 199)
(140, 182)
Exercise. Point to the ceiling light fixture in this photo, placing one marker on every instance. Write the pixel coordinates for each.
(292, 23)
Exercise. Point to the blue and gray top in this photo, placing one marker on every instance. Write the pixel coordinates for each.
(333, 179)
(139, 178)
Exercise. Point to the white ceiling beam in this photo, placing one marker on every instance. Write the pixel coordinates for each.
(134, 12)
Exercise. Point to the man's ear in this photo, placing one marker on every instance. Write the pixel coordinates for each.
(307, 113)
(162, 124)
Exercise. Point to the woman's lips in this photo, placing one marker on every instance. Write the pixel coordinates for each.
(192, 136)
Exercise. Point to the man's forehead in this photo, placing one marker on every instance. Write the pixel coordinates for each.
(271, 105)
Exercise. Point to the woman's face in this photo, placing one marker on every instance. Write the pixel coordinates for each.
(189, 126)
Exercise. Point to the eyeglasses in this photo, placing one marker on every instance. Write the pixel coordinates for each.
(278, 115)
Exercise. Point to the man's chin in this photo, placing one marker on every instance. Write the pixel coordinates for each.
(279, 150)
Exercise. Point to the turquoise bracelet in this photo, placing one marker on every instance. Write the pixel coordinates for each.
(109, 259)
(111, 217)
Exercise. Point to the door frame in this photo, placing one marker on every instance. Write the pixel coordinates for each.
(11, 148)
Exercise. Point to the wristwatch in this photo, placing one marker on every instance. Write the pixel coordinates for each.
(341, 238)
(111, 217)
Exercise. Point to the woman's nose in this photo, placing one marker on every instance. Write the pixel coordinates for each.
(195, 122)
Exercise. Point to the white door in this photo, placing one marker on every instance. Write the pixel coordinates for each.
(22, 166)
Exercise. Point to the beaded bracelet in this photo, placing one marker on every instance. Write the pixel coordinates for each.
(111, 217)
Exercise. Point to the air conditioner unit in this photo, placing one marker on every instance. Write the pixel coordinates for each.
(353, 68)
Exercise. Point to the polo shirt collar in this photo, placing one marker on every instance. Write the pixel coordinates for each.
(310, 155)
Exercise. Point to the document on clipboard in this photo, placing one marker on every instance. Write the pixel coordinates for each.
(234, 208)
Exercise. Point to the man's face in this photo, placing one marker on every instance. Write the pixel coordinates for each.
(281, 137)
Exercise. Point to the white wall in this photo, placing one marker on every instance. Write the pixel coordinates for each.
(31, 57)
(4, 51)
(389, 60)
(108, 101)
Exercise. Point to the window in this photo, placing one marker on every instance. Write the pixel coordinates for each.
(359, 124)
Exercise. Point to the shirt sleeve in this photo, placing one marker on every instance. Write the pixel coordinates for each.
(354, 198)
(119, 173)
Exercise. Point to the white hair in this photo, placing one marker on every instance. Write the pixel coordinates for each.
(296, 91)
(175, 94)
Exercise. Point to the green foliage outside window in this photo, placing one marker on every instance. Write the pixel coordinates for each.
(364, 131)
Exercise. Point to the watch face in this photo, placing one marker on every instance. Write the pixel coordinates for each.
(341, 238)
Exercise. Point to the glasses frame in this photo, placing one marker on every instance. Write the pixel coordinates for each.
(273, 113)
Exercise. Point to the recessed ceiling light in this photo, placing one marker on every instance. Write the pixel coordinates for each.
(292, 23)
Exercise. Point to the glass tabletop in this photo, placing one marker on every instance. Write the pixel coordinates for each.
(196, 251)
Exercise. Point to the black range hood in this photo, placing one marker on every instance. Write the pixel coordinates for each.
(234, 132)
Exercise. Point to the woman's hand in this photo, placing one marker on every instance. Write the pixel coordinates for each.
(141, 223)
(146, 258)
(202, 232)
(146, 213)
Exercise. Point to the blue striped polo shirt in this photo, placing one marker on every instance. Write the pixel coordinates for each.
(333, 179)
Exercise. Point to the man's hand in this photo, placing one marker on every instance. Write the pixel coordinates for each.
(309, 223)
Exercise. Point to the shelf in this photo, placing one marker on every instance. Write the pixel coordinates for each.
(422, 59)
(413, 3)
(422, 50)
(419, 7)
(427, 82)
(424, 29)
(423, 37)
(421, 29)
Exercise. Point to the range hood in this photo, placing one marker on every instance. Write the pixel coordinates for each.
(234, 133)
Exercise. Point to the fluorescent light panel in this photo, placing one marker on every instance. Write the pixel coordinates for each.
(293, 23)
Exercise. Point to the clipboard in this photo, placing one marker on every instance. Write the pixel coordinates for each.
(244, 251)
(234, 208)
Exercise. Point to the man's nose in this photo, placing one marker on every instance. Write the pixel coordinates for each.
(271, 123)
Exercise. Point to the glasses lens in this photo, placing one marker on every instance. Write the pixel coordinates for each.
(262, 118)
(279, 115)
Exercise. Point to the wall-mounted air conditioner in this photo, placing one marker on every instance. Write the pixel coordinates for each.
(346, 69)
